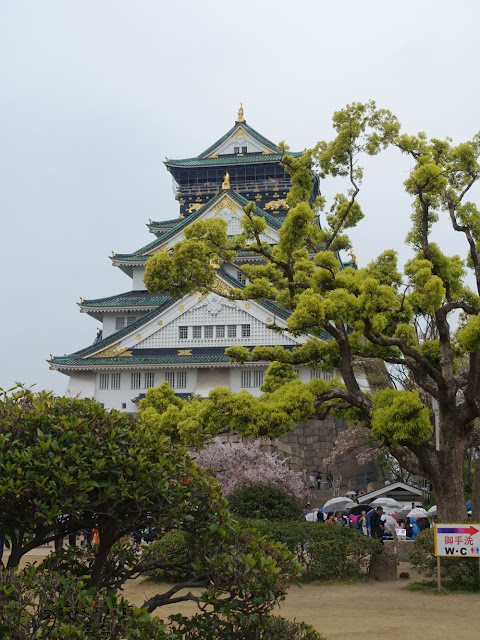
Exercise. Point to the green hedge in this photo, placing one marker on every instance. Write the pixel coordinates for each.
(264, 501)
(267, 627)
(324, 552)
(457, 573)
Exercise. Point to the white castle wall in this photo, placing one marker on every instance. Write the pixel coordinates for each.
(226, 313)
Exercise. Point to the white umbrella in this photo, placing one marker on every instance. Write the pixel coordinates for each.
(432, 511)
(386, 502)
(390, 523)
(418, 512)
(338, 504)
(351, 493)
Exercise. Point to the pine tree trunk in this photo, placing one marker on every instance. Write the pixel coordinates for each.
(448, 483)
(476, 492)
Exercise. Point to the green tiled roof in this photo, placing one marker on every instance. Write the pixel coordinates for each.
(70, 361)
(103, 344)
(272, 221)
(223, 160)
(129, 299)
(128, 257)
(164, 223)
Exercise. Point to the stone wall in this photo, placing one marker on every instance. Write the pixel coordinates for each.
(310, 444)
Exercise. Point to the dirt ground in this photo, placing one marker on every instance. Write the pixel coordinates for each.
(373, 610)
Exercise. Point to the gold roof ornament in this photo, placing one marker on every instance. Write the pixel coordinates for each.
(240, 117)
(354, 258)
(82, 300)
(226, 181)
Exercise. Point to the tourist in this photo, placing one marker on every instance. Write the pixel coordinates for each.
(307, 509)
(319, 480)
(72, 538)
(338, 519)
(362, 524)
(376, 524)
(414, 528)
(330, 518)
(312, 481)
(330, 479)
(86, 537)
(367, 481)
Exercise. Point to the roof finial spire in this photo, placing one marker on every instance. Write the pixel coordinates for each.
(226, 181)
(240, 117)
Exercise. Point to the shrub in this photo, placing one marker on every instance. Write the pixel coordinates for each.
(264, 501)
(175, 548)
(457, 573)
(324, 552)
(241, 570)
(39, 605)
(267, 627)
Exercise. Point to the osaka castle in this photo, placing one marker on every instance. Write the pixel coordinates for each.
(149, 338)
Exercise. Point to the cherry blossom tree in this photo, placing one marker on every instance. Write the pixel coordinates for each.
(235, 464)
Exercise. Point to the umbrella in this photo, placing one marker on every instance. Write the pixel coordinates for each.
(386, 503)
(418, 512)
(358, 508)
(337, 504)
(432, 511)
(401, 515)
(351, 493)
(390, 523)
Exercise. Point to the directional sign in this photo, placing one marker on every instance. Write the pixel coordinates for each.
(457, 540)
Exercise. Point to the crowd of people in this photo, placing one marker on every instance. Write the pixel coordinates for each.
(373, 523)
(316, 480)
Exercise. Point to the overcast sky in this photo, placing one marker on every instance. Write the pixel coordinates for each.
(96, 93)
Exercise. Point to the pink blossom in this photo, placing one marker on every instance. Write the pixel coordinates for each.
(355, 439)
(234, 465)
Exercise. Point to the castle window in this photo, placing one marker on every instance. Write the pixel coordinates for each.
(177, 380)
(183, 333)
(136, 380)
(236, 149)
(181, 379)
(245, 330)
(149, 380)
(257, 378)
(321, 375)
(232, 331)
(115, 381)
(104, 381)
(244, 149)
(241, 277)
(208, 332)
(196, 332)
(119, 323)
(246, 379)
(131, 320)
(220, 331)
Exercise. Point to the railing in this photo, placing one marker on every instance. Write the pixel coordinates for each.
(238, 185)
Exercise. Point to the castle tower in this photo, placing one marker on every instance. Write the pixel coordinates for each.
(148, 338)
